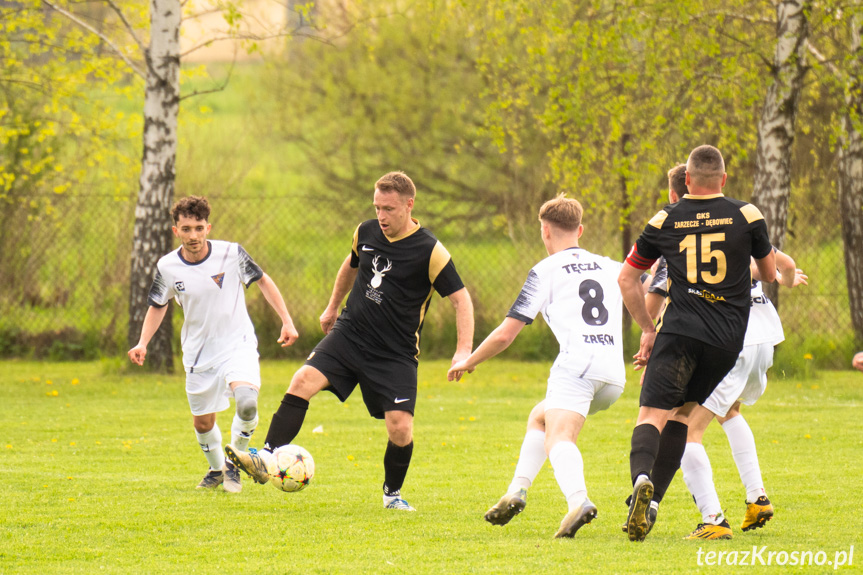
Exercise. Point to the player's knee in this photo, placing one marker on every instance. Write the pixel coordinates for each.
(536, 419)
(247, 402)
(306, 383)
(204, 425)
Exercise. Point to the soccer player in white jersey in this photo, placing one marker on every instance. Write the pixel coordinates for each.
(220, 350)
(745, 383)
(577, 293)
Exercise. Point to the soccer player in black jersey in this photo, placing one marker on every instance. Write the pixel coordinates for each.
(394, 268)
(707, 241)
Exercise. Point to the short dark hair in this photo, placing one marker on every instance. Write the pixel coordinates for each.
(677, 180)
(562, 212)
(397, 182)
(196, 207)
(705, 165)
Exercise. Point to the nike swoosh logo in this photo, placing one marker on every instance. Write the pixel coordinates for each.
(397, 400)
(368, 249)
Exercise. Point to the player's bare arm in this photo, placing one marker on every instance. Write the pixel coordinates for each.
(788, 274)
(344, 280)
(288, 334)
(857, 362)
(497, 341)
(152, 321)
(463, 307)
(767, 267)
(629, 281)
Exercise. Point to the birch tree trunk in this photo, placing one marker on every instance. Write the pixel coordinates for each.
(772, 184)
(850, 185)
(152, 237)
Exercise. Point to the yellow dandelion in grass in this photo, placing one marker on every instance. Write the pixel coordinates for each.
(807, 356)
(443, 443)
(49, 382)
(814, 387)
(776, 442)
(98, 443)
(54, 393)
(461, 418)
(69, 478)
(35, 379)
(807, 436)
(350, 457)
(76, 382)
(71, 499)
(799, 386)
(53, 440)
(72, 444)
(8, 446)
(471, 418)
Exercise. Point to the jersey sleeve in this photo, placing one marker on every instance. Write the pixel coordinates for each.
(355, 254)
(160, 294)
(530, 300)
(761, 246)
(645, 251)
(250, 272)
(442, 273)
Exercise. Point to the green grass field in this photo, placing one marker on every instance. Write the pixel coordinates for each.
(99, 467)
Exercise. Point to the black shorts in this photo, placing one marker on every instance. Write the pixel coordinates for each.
(387, 383)
(682, 369)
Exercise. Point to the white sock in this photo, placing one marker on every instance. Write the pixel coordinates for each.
(241, 432)
(530, 460)
(745, 456)
(698, 476)
(211, 445)
(569, 471)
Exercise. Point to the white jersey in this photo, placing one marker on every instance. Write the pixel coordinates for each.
(578, 295)
(213, 300)
(764, 323)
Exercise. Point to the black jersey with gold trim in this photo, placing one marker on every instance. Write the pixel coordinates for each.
(393, 289)
(707, 242)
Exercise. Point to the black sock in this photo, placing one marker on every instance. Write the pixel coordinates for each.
(286, 422)
(645, 444)
(672, 444)
(396, 462)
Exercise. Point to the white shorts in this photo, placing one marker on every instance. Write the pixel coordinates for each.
(209, 391)
(746, 381)
(584, 396)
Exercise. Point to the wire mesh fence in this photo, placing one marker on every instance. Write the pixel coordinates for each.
(65, 264)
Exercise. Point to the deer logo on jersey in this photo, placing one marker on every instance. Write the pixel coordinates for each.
(379, 274)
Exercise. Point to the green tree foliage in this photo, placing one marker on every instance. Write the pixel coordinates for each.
(59, 129)
(621, 91)
(400, 92)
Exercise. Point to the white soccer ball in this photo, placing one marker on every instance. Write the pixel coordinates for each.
(291, 468)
